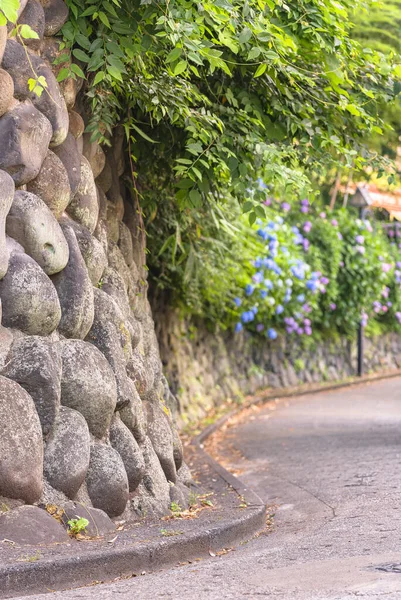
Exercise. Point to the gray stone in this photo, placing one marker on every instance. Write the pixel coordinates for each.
(107, 480)
(95, 155)
(160, 434)
(105, 179)
(52, 184)
(113, 284)
(34, 16)
(77, 125)
(70, 157)
(184, 475)
(99, 523)
(29, 298)
(6, 91)
(56, 14)
(67, 454)
(50, 103)
(92, 252)
(31, 526)
(152, 496)
(21, 446)
(6, 198)
(142, 376)
(35, 363)
(84, 206)
(124, 442)
(88, 385)
(25, 136)
(31, 223)
(125, 244)
(111, 339)
(74, 289)
(133, 416)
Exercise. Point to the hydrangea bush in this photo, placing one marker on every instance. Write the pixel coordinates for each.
(316, 272)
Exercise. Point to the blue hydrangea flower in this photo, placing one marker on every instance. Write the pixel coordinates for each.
(301, 298)
(249, 289)
(272, 334)
(237, 301)
(238, 327)
(268, 284)
(263, 294)
(279, 309)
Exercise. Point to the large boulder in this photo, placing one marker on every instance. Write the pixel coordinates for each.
(74, 289)
(31, 223)
(21, 445)
(6, 91)
(35, 363)
(124, 442)
(107, 480)
(88, 385)
(152, 496)
(161, 436)
(50, 103)
(67, 454)
(25, 135)
(133, 416)
(111, 339)
(56, 14)
(31, 526)
(92, 252)
(84, 206)
(69, 155)
(6, 198)
(29, 299)
(52, 184)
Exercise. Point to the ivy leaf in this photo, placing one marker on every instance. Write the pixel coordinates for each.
(180, 67)
(143, 134)
(81, 55)
(99, 77)
(104, 19)
(260, 70)
(27, 32)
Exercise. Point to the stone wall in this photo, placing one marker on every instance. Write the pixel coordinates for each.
(85, 411)
(205, 369)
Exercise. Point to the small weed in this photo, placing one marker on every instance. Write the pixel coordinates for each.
(193, 499)
(206, 502)
(170, 533)
(4, 507)
(175, 508)
(77, 526)
(30, 557)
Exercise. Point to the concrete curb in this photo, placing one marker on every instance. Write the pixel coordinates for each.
(60, 573)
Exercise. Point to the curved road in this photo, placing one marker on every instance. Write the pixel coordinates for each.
(331, 464)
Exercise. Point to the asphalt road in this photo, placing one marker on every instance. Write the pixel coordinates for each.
(331, 464)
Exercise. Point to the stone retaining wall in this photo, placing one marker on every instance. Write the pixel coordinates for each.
(205, 369)
(85, 411)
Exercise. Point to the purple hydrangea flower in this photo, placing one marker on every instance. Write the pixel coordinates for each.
(307, 226)
(286, 207)
(361, 249)
(386, 267)
(360, 239)
(260, 327)
(332, 306)
(334, 222)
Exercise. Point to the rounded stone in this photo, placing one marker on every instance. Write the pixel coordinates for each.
(29, 299)
(88, 385)
(31, 526)
(134, 418)
(92, 252)
(21, 446)
(84, 207)
(51, 103)
(70, 157)
(31, 223)
(124, 442)
(35, 364)
(67, 454)
(74, 289)
(7, 189)
(25, 135)
(160, 434)
(107, 480)
(6, 91)
(56, 14)
(77, 125)
(52, 184)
